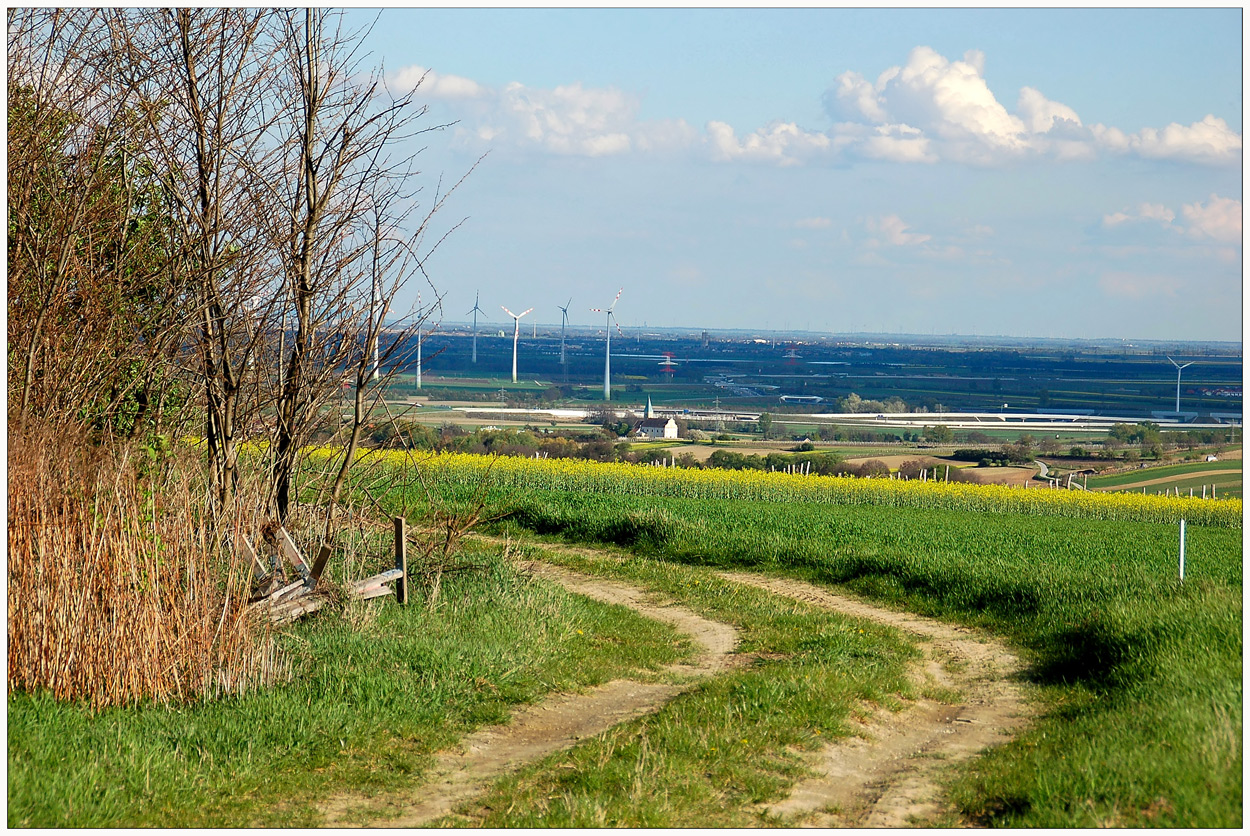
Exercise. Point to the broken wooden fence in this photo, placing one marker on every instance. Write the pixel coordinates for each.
(284, 602)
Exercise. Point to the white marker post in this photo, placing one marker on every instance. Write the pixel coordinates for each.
(1182, 550)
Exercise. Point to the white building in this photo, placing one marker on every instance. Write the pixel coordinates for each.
(656, 428)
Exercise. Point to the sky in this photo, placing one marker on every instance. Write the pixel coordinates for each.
(1032, 173)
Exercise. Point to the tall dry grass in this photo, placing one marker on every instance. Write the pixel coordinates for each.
(119, 590)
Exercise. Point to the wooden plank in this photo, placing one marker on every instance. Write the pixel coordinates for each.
(292, 554)
(374, 592)
(385, 577)
(259, 571)
(296, 608)
(319, 564)
(284, 590)
(401, 559)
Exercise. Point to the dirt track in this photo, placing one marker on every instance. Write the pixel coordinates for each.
(557, 723)
(886, 776)
(890, 775)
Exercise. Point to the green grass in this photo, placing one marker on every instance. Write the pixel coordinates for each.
(1227, 479)
(371, 698)
(1144, 673)
(733, 741)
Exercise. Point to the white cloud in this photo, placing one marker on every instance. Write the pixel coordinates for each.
(436, 85)
(891, 230)
(1145, 212)
(926, 110)
(1208, 141)
(1040, 114)
(931, 108)
(783, 143)
(929, 99)
(1218, 220)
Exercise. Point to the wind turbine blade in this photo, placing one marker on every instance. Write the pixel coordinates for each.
(617, 299)
(523, 313)
(509, 313)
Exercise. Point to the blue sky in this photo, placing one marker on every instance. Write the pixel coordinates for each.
(1044, 172)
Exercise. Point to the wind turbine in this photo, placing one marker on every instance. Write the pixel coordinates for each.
(563, 322)
(420, 317)
(475, 310)
(516, 332)
(607, 356)
(1178, 380)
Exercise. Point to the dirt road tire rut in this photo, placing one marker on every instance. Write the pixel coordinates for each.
(890, 774)
(559, 721)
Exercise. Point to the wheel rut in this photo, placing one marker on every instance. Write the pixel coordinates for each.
(558, 722)
(890, 774)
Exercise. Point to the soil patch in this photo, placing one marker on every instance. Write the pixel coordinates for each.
(890, 774)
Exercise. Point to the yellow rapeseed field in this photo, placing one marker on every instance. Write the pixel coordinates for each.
(513, 474)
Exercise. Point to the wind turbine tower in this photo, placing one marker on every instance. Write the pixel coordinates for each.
(516, 333)
(607, 356)
(563, 322)
(420, 319)
(1178, 380)
(475, 310)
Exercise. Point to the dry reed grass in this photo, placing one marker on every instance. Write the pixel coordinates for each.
(119, 590)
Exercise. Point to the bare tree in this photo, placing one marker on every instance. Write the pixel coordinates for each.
(210, 74)
(350, 245)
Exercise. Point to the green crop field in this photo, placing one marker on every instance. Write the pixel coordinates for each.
(1138, 676)
(1141, 673)
(1224, 475)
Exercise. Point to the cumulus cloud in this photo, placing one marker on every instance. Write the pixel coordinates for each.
(928, 109)
(928, 99)
(1219, 219)
(1208, 141)
(1145, 212)
(892, 231)
(436, 85)
(931, 108)
(782, 143)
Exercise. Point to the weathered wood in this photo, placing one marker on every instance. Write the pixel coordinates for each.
(374, 592)
(319, 564)
(401, 559)
(284, 590)
(296, 607)
(292, 554)
(384, 577)
(259, 571)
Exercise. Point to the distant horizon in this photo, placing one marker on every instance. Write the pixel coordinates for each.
(484, 326)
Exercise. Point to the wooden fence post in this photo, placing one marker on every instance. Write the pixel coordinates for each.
(401, 559)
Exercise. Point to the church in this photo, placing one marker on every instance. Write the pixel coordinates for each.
(652, 427)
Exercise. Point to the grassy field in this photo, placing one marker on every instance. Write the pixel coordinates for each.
(373, 693)
(1139, 675)
(703, 759)
(1142, 674)
(1225, 475)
